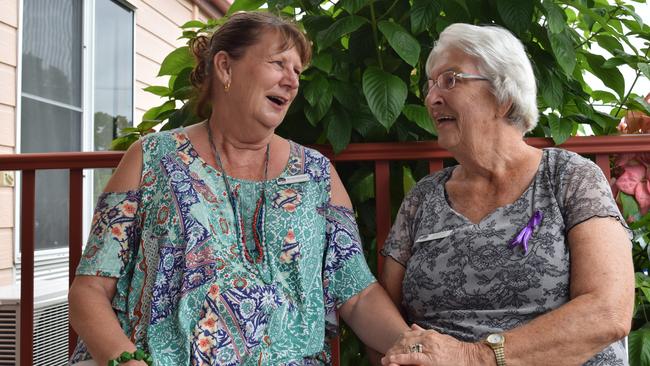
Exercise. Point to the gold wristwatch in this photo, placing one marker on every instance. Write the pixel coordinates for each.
(497, 341)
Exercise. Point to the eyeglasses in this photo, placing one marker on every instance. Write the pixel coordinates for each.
(447, 80)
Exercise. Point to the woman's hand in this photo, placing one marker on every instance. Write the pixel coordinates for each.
(436, 349)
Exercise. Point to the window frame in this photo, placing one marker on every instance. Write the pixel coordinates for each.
(55, 258)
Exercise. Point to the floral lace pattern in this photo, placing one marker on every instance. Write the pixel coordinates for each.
(470, 283)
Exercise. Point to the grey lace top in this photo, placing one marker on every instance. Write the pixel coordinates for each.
(463, 279)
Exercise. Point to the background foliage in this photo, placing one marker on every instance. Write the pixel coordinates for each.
(365, 79)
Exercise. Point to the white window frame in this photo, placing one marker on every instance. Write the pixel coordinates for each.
(57, 257)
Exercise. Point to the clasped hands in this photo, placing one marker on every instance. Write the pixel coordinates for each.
(428, 348)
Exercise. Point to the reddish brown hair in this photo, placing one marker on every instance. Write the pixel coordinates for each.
(239, 32)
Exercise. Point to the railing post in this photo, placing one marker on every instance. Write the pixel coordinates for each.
(382, 206)
(435, 165)
(27, 210)
(602, 160)
(335, 345)
(75, 235)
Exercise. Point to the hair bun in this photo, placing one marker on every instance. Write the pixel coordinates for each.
(200, 48)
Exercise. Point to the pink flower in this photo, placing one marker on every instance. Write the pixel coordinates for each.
(635, 121)
(634, 181)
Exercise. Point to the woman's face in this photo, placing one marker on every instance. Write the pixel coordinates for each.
(465, 114)
(265, 81)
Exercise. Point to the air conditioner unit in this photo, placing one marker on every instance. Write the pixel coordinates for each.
(50, 342)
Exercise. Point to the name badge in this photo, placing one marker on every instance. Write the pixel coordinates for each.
(293, 179)
(434, 236)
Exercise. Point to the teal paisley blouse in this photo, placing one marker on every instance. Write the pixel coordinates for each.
(185, 291)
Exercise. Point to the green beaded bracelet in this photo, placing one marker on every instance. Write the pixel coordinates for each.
(138, 355)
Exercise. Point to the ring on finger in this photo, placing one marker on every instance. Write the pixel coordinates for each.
(415, 348)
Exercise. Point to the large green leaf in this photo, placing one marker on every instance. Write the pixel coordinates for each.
(353, 6)
(318, 94)
(146, 126)
(339, 129)
(385, 94)
(639, 344)
(338, 29)
(604, 96)
(615, 62)
(516, 14)
(346, 93)
(314, 114)
(462, 4)
(363, 121)
(317, 90)
(244, 5)
(193, 24)
(605, 121)
(630, 11)
(644, 68)
(423, 15)
(611, 77)
(408, 181)
(642, 282)
(563, 51)
(551, 89)
(123, 142)
(154, 113)
(419, 114)
(176, 61)
(629, 206)
(161, 91)
(609, 43)
(588, 12)
(638, 104)
(555, 17)
(323, 61)
(401, 41)
(363, 188)
(560, 128)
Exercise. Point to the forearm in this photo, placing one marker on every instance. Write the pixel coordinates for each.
(94, 320)
(560, 337)
(373, 356)
(374, 318)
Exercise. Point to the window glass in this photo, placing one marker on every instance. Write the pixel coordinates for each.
(113, 92)
(48, 128)
(53, 117)
(51, 64)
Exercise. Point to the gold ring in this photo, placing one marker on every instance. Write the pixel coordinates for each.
(415, 348)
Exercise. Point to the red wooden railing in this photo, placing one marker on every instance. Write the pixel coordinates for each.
(601, 147)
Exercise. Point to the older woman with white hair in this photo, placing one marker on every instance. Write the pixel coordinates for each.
(516, 255)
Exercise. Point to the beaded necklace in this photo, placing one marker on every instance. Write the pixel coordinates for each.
(254, 262)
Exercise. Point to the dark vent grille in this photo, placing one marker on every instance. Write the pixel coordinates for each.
(8, 335)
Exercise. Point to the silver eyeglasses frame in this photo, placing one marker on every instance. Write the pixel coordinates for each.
(430, 84)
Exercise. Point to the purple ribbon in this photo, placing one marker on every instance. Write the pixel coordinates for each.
(525, 233)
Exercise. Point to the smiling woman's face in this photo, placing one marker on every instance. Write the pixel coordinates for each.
(264, 81)
(463, 114)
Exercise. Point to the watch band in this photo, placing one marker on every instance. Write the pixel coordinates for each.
(500, 355)
(497, 342)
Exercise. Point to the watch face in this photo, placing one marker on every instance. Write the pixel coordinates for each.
(495, 338)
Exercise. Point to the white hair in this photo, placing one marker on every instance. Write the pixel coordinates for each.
(503, 60)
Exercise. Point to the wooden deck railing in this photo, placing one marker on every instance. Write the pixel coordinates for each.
(601, 147)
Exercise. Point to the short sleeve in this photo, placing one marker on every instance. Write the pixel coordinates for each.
(345, 271)
(401, 236)
(584, 193)
(345, 266)
(114, 235)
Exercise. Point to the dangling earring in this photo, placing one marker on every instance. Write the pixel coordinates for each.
(226, 86)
